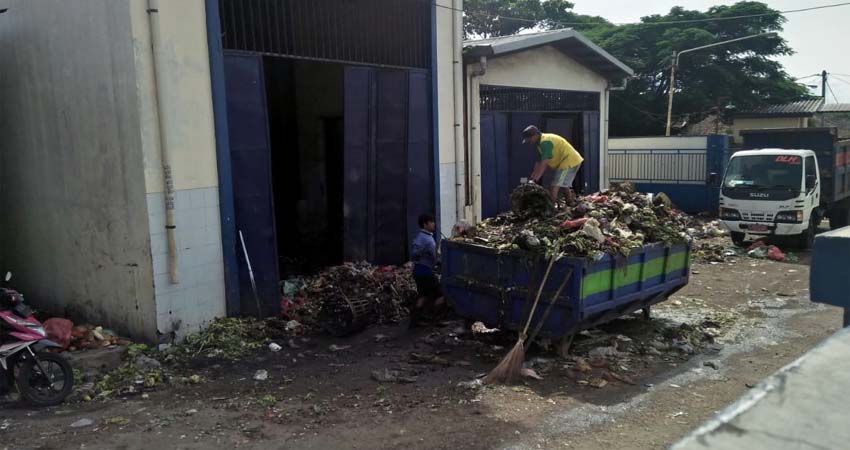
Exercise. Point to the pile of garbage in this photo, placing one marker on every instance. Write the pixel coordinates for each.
(347, 298)
(81, 337)
(702, 229)
(91, 337)
(611, 222)
(760, 250)
(713, 252)
(225, 338)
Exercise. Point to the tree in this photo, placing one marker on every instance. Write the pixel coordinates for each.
(743, 73)
(482, 18)
(493, 18)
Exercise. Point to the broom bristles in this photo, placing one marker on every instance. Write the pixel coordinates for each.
(509, 370)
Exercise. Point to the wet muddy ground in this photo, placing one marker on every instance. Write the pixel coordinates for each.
(630, 384)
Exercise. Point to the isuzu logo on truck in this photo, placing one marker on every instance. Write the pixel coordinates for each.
(759, 195)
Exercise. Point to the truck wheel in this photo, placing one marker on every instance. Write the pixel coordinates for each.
(738, 238)
(806, 239)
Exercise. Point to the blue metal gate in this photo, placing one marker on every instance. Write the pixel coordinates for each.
(250, 158)
(505, 160)
(389, 176)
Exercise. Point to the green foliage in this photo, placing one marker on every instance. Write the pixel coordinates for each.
(267, 401)
(226, 338)
(136, 350)
(744, 74)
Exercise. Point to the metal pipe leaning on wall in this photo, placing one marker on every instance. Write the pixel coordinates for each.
(165, 154)
(457, 82)
(475, 138)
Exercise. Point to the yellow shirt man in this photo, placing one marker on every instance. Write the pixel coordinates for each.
(557, 153)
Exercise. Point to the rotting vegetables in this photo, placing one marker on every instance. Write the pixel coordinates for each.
(610, 222)
(348, 297)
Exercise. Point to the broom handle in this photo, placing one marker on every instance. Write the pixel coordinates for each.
(539, 292)
(551, 303)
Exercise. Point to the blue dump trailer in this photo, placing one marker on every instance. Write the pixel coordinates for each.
(498, 287)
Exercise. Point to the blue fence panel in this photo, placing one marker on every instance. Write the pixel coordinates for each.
(687, 169)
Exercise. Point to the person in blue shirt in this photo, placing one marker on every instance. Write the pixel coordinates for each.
(423, 254)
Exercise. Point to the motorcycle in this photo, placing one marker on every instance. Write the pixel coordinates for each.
(42, 378)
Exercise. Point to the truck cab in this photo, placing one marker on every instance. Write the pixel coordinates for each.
(772, 192)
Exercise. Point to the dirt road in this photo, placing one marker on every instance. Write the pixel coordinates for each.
(749, 317)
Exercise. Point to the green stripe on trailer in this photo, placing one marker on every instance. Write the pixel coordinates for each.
(597, 282)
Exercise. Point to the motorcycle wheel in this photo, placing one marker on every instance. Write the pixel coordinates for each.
(35, 386)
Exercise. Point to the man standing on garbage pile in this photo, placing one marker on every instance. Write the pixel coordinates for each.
(423, 254)
(557, 153)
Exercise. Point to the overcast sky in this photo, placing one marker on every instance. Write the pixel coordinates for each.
(818, 37)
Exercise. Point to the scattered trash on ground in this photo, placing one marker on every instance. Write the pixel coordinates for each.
(338, 348)
(261, 375)
(713, 364)
(82, 423)
(530, 373)
(480, 328)
(391, 376)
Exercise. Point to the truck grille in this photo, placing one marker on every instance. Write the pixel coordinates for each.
(757, 216)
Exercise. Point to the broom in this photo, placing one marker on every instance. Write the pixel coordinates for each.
(509, 369)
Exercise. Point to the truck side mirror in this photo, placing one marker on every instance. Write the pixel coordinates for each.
(712, 178)
(811, 181)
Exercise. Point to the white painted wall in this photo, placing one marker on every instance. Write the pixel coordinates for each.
(659, 143)
(187, 95)
(446, 65)
(540, 68)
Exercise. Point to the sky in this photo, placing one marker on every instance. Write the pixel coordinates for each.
(817, 37)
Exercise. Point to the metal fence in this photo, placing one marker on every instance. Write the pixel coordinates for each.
(504, 98)
(658, 166)
(679, 166)
(392, 33)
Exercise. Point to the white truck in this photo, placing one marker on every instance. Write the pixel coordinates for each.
(786, 184)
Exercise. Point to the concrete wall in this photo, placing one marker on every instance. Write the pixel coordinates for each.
(447, 122)
(189, 131)
(801, 406)
(542, 68)
(767, 122)
(72, 184)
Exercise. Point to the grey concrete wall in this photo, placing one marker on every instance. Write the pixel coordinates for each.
(72, 183)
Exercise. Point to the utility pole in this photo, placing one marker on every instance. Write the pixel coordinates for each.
(671, 88)
(675, 63)
(823, 77)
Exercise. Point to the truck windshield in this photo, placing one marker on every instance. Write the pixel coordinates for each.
(765, 171)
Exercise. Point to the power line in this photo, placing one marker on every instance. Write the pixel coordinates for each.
(836, 76)
(671, 22)
(660, 118)
(833, 93)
